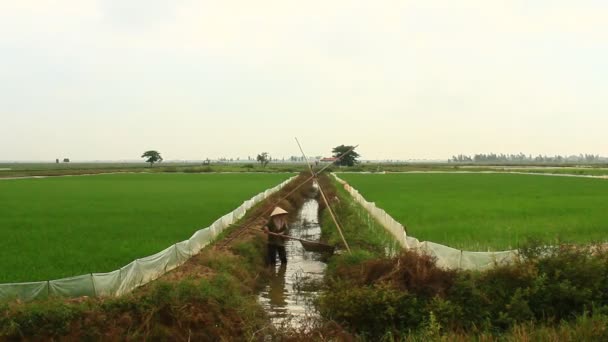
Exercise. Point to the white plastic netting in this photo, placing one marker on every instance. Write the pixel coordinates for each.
(447, 257)
(138, 272)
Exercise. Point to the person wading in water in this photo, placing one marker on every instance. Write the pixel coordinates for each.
(276, 244)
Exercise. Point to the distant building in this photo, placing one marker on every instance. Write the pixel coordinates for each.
(328, 160)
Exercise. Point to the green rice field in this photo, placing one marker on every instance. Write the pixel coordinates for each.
(491, 211)
(64, 226)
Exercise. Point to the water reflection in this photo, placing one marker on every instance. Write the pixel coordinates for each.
(284, 297)
(277, 293)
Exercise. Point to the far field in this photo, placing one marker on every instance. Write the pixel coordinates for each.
(64, 226)
(491, 211)
(9, 170)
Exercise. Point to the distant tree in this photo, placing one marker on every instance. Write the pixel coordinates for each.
(522, 158)
(153, 157)
(66, 160)
(263, 158)
(349, 159)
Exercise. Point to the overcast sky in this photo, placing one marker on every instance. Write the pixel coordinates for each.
(106, 80)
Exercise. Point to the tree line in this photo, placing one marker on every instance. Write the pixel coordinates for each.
(348, 157)
(523, 158)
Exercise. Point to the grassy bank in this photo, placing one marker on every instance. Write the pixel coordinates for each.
(495, 211)
(216, 304)
(60, 227)
(560, 294)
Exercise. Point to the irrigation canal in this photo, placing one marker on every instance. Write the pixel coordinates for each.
(288, 295)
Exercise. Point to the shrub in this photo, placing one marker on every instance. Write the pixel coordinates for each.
(52, 317)
(371, 310)
(554, 286)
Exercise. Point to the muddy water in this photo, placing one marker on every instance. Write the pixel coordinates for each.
(287, 298)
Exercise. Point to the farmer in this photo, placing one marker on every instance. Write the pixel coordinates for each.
(276, 244)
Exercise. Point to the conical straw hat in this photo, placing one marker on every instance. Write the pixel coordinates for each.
(278, 211)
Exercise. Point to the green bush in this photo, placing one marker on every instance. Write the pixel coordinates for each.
(371, 310)
(346, 260)
(554, 286)
(52, 317)
(251, 251)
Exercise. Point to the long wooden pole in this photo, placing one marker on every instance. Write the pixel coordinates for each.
(313, 176)
(296, 238)
(331, 211)
(333, 216)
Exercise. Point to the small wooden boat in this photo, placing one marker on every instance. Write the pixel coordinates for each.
(313, 246)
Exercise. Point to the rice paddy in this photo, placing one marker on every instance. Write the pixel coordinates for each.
(491, 211)
(64, 226)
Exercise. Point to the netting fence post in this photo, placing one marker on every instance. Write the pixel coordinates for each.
(139, 273)
(94, 287)
(460, 260)
(167, 264)
(119, 281)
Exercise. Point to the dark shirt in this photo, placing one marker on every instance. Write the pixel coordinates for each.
(273, 239)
